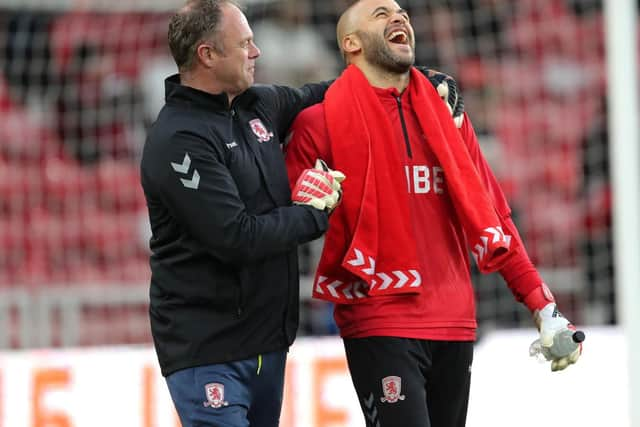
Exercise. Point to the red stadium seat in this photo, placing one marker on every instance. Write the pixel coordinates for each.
(118, 182)
(68, 185)
(21, 187)
(13, 248)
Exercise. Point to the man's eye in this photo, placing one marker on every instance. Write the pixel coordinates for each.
(381, 14)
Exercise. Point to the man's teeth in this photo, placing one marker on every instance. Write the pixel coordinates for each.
(398, 37)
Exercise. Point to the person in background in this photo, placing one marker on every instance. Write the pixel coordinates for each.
(305, 56)
(420, 196)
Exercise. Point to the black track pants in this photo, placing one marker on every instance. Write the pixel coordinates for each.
(404, 382)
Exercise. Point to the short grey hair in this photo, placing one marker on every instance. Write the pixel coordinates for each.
(195, 22)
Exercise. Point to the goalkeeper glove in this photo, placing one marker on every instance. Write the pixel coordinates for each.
(447, 88)
(319, 187)
(559, 341)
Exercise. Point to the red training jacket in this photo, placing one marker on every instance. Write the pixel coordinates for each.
(445, 310)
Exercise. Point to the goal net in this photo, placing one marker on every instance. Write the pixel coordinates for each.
(80, 82)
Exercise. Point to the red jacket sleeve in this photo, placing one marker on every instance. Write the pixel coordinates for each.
(519, 272)
(308, 140)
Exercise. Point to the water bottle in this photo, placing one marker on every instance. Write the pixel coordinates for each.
(564, 343)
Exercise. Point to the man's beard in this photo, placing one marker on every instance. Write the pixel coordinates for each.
(377, 52)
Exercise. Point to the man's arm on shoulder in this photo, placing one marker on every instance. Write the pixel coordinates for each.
(308, 140)
(202, 196)
(286, 102)
(448, 90)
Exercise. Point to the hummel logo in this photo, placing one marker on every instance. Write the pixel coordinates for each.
(183, 169)
(232, 145)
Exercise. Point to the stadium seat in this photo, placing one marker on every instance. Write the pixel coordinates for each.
(118, 182)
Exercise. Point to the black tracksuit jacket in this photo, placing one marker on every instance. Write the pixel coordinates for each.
(224, 283)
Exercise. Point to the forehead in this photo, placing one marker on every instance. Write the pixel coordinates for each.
(367, 7)
(234, 23)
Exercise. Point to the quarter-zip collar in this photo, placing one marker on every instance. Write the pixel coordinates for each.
(394, 99)
(391, 95)
(195, 98)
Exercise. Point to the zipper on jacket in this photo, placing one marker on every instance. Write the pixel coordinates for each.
(239, 300)
(241, 276)
(240, 295)
(232, 116)
(404, 127)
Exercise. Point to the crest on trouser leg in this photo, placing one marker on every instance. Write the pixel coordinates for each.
(392, 389)
(215, 395)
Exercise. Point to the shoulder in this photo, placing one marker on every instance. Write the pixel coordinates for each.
(309, 131)
(309, 125)
(311, 116)
(173, 136)
(267, 93)
(264, 97)
(261, 90)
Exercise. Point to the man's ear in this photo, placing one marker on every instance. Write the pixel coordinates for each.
(351, 44)
(206, 55)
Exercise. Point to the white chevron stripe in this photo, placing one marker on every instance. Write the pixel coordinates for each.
(356, 289)
(481, 250)
(403, 279)
(485, 242)
(332, 288)
(505, 237)
(418, 279)
(318, 287)
(372, 267)
(497, 233)
(346, 291)
(193, 182)
(386, 280)
(184, 167)
(369, 401)
(358, 260)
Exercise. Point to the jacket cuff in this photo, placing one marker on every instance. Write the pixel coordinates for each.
(539, 297)
(321, 219)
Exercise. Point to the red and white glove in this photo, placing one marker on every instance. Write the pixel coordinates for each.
(319, 187)
(559, 341)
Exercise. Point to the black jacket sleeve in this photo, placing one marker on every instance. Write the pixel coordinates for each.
(203, 199)
(286, 102)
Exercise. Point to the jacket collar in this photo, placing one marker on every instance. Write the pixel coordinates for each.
(176, 92)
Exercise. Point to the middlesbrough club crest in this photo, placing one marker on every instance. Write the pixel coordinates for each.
(260, 130)
(391, 387)
(215, 395)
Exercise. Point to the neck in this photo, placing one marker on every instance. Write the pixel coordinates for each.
(196, 80)
(384, 79)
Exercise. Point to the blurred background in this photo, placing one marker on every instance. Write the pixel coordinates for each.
(81, 81)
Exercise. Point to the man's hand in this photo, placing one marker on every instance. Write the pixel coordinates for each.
(559, 341)
(319, 187)
(448, 90)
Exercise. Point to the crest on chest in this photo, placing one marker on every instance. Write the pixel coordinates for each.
(260, 131)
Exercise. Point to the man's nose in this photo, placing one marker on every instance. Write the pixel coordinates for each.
(254, 51)
(399, 17)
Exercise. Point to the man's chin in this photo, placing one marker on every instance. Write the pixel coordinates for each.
(404, 62)
(247, 84)
(400, 67)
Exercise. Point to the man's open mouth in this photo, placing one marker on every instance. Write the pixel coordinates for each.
(398, 37)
